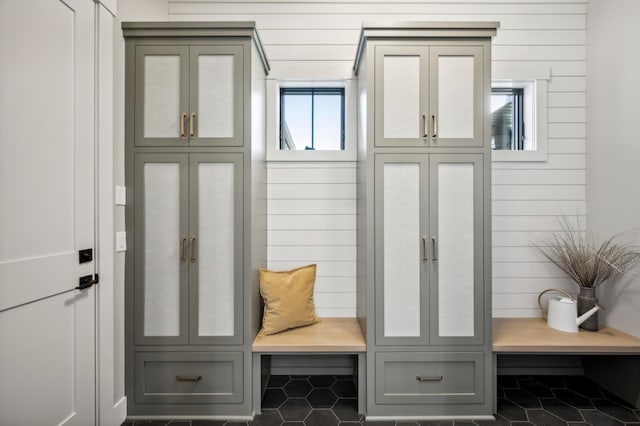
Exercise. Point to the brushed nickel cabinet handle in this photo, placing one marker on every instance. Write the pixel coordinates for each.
(434, 122)
(434, 248)
(424, 126)
(429, 378)
(183, 240)
(424, 249)
(191, 125)
(188, 378)
(183, 117)
(192, 248)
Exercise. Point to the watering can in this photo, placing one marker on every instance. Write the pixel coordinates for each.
(562, 312)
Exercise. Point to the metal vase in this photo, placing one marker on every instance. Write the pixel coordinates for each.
(586, 300)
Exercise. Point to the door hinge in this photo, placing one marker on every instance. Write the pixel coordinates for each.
(87, 281)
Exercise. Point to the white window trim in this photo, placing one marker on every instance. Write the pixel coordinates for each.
(274, 153)
(537, 82)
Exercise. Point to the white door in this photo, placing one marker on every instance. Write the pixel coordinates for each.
(47, 327)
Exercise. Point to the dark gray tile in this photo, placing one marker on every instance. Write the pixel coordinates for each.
(346, 409)
(617, 399)
(407, 423)
(555, 382)
(536, 388)
(507, 382)
(267, 418)
(583, 386)
(322, 398)
(322, 381)
(273, 398)
(295, 409)
(562, 410)
(499, 421)
(572, 398)
(598, 418)
(184, 423)
(236, 423)
(435, 422)
(293, 424)
(511, 411)
(522, 398)
(463, 423)
(544, 418)
(208, 422)
(297, 388)
(345, 388)
(615, 410)
(277, 381)
(321, 418)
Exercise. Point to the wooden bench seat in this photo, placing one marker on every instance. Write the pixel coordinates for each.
(330, 336)
(532, 335)
(333, 335)
(609, 357)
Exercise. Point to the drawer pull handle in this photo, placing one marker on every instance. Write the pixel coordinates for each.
(188, 378)
(429, 378)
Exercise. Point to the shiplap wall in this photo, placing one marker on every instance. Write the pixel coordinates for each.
(312, 205)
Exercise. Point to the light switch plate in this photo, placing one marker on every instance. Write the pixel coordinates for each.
(121, 241)
(121, 195)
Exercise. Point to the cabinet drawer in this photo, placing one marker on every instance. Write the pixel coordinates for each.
(429, 377)
(188, 377)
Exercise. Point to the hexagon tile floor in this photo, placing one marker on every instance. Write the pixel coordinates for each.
(522, 400)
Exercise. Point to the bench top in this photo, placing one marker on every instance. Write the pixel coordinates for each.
(531, 335)
(329, 335)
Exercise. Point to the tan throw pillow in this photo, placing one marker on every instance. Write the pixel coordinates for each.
(288, 299)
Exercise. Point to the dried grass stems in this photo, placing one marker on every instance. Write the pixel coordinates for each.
(582, 259)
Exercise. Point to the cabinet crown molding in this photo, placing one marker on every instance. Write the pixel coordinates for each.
(422, 29)
(240, 29)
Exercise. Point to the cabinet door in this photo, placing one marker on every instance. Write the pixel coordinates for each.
(161, 95)
(401, 96)
(456, 96)
(160, 248)
(456, 236)
(402, 278)
(215, 248)
(216, 96)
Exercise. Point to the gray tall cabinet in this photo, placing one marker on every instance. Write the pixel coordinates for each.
(196, 215)
(424, 217)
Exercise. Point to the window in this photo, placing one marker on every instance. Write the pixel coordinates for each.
(519, 118)
(312, 118)
(507, 119)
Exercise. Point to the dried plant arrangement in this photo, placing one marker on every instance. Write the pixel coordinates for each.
(585, 261)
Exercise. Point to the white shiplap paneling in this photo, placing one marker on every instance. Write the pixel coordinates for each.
(311, 206)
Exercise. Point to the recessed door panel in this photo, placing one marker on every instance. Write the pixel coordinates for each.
(401, 278)
(401, 81)
(456, 103)
(215, 234)
(161, 96)
(161, 248)
(216, 96)
(456, 231)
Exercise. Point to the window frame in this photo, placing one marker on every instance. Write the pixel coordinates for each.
(518, 124)
(313, 92)
(534, 82)
(273, 151)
